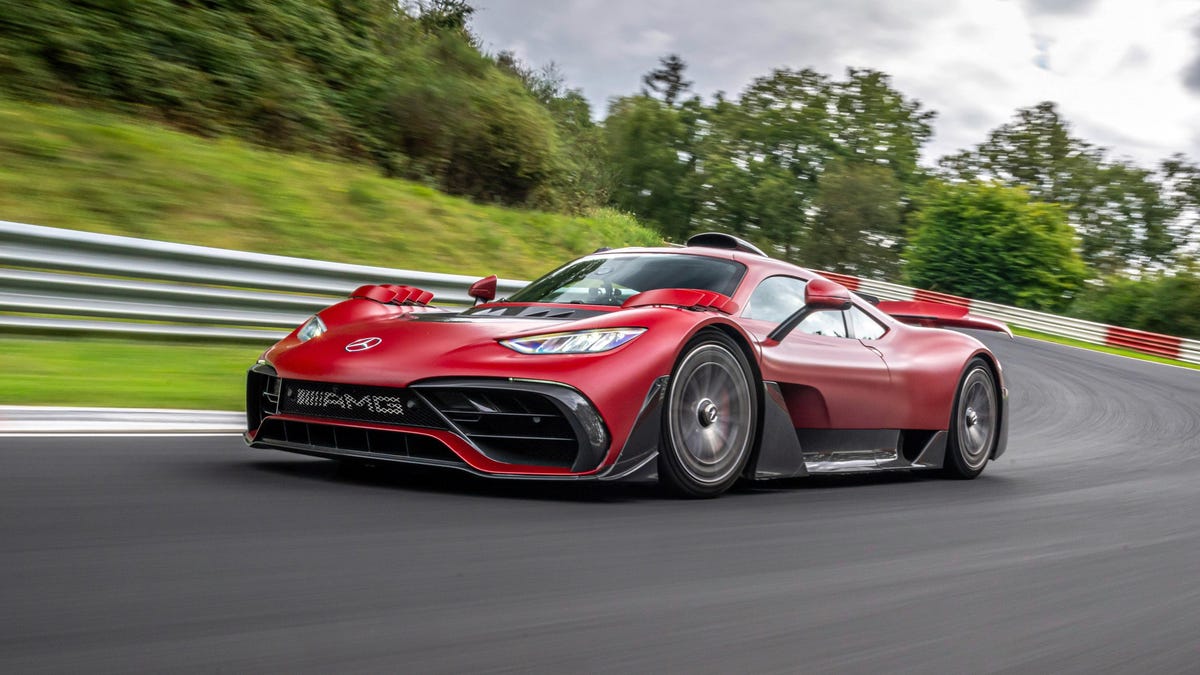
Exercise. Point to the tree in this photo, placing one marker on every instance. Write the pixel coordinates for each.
(586, 181)
(446, 16)
(990, 242)
(857, 227)
(1117, 208)
(875, 123)
(402, 85)
(764, 159)
(667, 79)
(1162, 303)
(1181, 188)
(651, 151)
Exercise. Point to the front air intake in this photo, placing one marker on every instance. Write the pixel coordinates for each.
(514, 427)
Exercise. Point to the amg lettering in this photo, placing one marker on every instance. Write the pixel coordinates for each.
(379, 405)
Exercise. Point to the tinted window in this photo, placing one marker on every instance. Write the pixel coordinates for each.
(775, 299)
(824, 322)
(611, 280)
(865, 328)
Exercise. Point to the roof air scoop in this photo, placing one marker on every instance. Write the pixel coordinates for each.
(725, 241)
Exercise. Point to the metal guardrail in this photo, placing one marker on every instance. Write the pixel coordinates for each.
(68, 281)
(63, 280)
(1042, 322)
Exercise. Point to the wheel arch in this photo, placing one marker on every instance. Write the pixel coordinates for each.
(993, 365)
(743, 342)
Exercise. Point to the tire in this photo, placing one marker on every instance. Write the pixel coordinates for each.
(709, 418)
(974, 422)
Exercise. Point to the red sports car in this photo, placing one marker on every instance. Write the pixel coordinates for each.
(695, 365)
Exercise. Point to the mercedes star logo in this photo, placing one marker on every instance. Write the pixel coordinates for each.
(363, 344)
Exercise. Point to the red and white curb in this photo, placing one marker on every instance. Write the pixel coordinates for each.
(64, 421)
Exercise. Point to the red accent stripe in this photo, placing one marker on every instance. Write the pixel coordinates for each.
(920, 295)
(1143, 341)
(843, 279)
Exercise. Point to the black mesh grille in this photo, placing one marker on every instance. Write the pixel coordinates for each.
(515, 427)
(380, 405)
(334, 438)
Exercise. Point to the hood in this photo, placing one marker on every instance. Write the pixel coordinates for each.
(414, 346)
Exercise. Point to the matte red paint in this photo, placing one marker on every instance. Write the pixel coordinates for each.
(389, 293)
(484, 290)
(821, 292)
(905, 379)
(938, 315)
(682, 297)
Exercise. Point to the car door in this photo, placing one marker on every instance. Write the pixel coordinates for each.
(829, 379)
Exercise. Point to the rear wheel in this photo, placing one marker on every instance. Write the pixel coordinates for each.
(709, 418)
(973, 422)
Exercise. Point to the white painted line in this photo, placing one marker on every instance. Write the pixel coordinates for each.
(64, 420)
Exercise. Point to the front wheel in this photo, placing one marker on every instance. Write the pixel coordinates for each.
(709, 418)
(973, 422)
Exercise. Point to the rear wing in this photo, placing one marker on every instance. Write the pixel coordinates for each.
(939, 315)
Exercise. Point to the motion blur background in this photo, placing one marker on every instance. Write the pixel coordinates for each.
(445, 136)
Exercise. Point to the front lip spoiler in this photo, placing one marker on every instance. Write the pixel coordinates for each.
(334, 453)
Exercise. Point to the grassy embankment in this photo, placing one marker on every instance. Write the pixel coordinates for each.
(83, 170)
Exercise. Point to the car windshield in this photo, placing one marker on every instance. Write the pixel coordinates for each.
(613, 279)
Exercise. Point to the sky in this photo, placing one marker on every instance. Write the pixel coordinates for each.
(1125, 73)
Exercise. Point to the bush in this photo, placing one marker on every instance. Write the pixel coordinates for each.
(1160, 303)
(990, 242)
(357, 78)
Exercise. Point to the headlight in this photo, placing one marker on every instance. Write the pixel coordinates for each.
(311, 329)
(578, 342)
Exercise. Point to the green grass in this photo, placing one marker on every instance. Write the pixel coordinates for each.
(123, 374)
(1101, 348)
(86, 170)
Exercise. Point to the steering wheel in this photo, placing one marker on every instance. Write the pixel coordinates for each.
(605, 294)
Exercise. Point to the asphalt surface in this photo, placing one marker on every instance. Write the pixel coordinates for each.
(1079, 551)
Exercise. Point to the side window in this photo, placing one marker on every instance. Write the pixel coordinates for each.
(825, 322)
(775, 299)
(865, 328)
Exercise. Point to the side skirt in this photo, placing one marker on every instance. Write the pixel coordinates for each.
(829, 451)
(787, 452)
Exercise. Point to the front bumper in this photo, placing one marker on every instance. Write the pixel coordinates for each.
(487, 426)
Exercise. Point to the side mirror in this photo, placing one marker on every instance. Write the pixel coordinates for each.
(483, 290)
(824, 294)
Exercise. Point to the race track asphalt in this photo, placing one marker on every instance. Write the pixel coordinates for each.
(1078, 551)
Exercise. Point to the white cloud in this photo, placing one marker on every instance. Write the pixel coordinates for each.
(1117, 68)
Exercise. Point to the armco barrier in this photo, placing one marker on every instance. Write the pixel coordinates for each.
(68, 281)
(63, 280)
(1050, 324)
